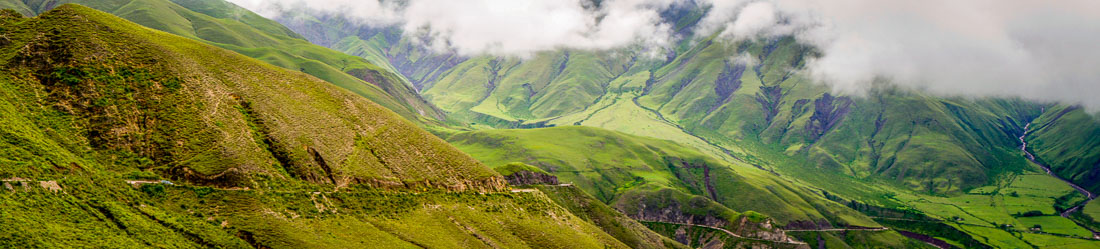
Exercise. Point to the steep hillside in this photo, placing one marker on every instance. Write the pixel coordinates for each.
(613, 222)
(171, 104)
(715, 102)
(116, 135)
(1067, 139)
(231, 27)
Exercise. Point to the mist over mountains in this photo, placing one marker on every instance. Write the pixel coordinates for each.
(1042, 52)
(548, 124)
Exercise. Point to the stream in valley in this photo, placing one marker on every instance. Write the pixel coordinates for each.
(1083, 191)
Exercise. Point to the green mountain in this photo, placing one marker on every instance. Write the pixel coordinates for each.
(714, 100)
(212, 126)
(747, 104)
(116, 135)
(228, 26)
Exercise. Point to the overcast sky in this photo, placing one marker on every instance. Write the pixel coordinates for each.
(1040, 50)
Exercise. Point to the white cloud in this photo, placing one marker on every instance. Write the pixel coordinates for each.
(503, 27)
(1041, 50)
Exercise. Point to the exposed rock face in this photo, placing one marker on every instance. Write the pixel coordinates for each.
(530, 178)
(673, 213)
(770, 98)
(728, 82)
(742, 226)
(761, 230)
(804, 224)
(828, 111)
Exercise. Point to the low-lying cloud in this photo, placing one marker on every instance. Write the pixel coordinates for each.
(1040, 50)
(503, 27)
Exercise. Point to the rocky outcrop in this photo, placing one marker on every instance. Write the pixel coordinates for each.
(769, 98)
(674, 214)
(530, 178)
(664, 207)
(761, 230)
(828, 112)
(728, 82)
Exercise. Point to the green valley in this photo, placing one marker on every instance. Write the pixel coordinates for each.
(547, 124)
(770, 129)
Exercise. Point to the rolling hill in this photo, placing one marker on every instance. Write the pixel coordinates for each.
(116, 135)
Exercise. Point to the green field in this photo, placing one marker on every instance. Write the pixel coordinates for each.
(984, 212)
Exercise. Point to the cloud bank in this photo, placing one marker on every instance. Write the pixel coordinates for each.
(503, 27)
(1039, 50)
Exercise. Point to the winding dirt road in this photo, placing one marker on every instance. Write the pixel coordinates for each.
(730, 233)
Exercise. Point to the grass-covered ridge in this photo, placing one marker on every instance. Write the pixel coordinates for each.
(97, 110)
(111, 92)
(228, 26)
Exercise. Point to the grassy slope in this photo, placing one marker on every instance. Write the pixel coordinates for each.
(103, 212)
(138, 93)
(610, 164)
(972, 140)
(228, 26)
(771, 111)
(96, 100)
(1066, 139)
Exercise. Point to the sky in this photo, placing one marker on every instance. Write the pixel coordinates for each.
(1037, 50)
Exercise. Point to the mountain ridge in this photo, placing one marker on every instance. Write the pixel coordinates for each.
(142, 138)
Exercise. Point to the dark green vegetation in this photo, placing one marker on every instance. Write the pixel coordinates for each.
(95, 109)
(228, 26)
